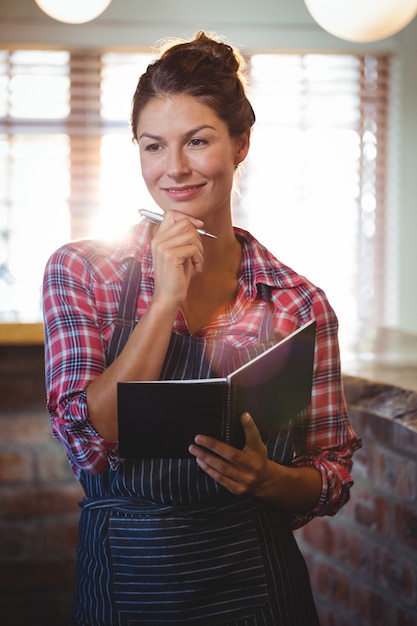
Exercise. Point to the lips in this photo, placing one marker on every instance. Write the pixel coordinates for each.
(185, 192)
(184, 188)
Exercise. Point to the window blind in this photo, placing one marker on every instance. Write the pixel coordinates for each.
(315, 190)
(34, 173)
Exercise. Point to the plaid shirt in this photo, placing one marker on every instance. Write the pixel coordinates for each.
(82, 289)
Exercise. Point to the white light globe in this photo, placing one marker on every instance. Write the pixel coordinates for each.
(73, 11)
(362, 20)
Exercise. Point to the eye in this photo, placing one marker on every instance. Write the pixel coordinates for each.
(198, 141)
(153, 147)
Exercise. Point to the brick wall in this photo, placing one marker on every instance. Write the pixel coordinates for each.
(363, 562)
(38, 499)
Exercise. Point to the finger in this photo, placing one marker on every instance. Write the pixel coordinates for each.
(171, 218)
(215, 447)
(226, 474)
(175, 250)
(180, 233)
(177, 216)
(177, 237)
(238, 470)
(232, 484)
(252, 435)
(222, 462)
(193, 255)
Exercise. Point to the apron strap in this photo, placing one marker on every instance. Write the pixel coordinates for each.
(266, 327)
(125, 320)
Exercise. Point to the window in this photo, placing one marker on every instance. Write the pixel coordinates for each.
(313, 188)
(68, 167)
(34, 172)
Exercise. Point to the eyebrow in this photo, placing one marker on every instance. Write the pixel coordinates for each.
(190, 133)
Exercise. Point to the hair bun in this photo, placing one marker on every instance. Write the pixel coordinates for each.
(205, 68)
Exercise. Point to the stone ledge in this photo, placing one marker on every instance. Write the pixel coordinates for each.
(383, 400)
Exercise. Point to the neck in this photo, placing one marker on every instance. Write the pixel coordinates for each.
(222, 251)
(222, 261)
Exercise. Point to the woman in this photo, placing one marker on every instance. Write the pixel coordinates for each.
(207, 539)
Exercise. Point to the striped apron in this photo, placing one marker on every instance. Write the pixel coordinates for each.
(163, 543)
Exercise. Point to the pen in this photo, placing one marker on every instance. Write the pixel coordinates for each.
(157, 218)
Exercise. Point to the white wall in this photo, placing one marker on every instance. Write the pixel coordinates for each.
(261, 25)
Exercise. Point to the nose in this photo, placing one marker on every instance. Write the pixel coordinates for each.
(177, 163)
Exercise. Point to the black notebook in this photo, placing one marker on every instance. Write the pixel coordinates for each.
(159, 419)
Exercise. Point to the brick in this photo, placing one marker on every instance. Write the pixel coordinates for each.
(22, 376)
(394, 474)
(406, 527)
(368, 559)
(331, 616)
(362, 464)
(372, 512)
(319, 534)
(52, 464)
(31, 539)
(332, 584)
(399, 576)
(346, 513)
(364, 557)
(25, 428)
(345, 544)
(39, 502)
(320, 579)
(331, 537)
(16, 466)
(371, 608)
(340, 589)
(389, 572)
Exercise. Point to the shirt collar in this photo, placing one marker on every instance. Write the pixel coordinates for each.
(259, 265)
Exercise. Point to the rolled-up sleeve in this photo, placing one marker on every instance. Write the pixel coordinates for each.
(324, 437)
(75, 354)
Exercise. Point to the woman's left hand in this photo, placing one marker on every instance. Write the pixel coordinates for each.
(239, 471)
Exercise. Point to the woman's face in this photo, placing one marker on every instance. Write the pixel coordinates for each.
(187, 156)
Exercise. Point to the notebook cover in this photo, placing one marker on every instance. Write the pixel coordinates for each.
(161, 418)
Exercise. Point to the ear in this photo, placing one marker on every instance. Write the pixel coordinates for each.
(242, 143)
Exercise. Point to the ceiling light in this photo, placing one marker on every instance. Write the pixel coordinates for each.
(362, 20)
(73, 11)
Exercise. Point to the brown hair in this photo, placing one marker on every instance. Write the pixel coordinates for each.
(207, 69)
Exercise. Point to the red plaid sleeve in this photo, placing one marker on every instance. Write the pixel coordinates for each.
(74, 355)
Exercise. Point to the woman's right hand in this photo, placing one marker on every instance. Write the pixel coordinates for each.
(178, 253)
